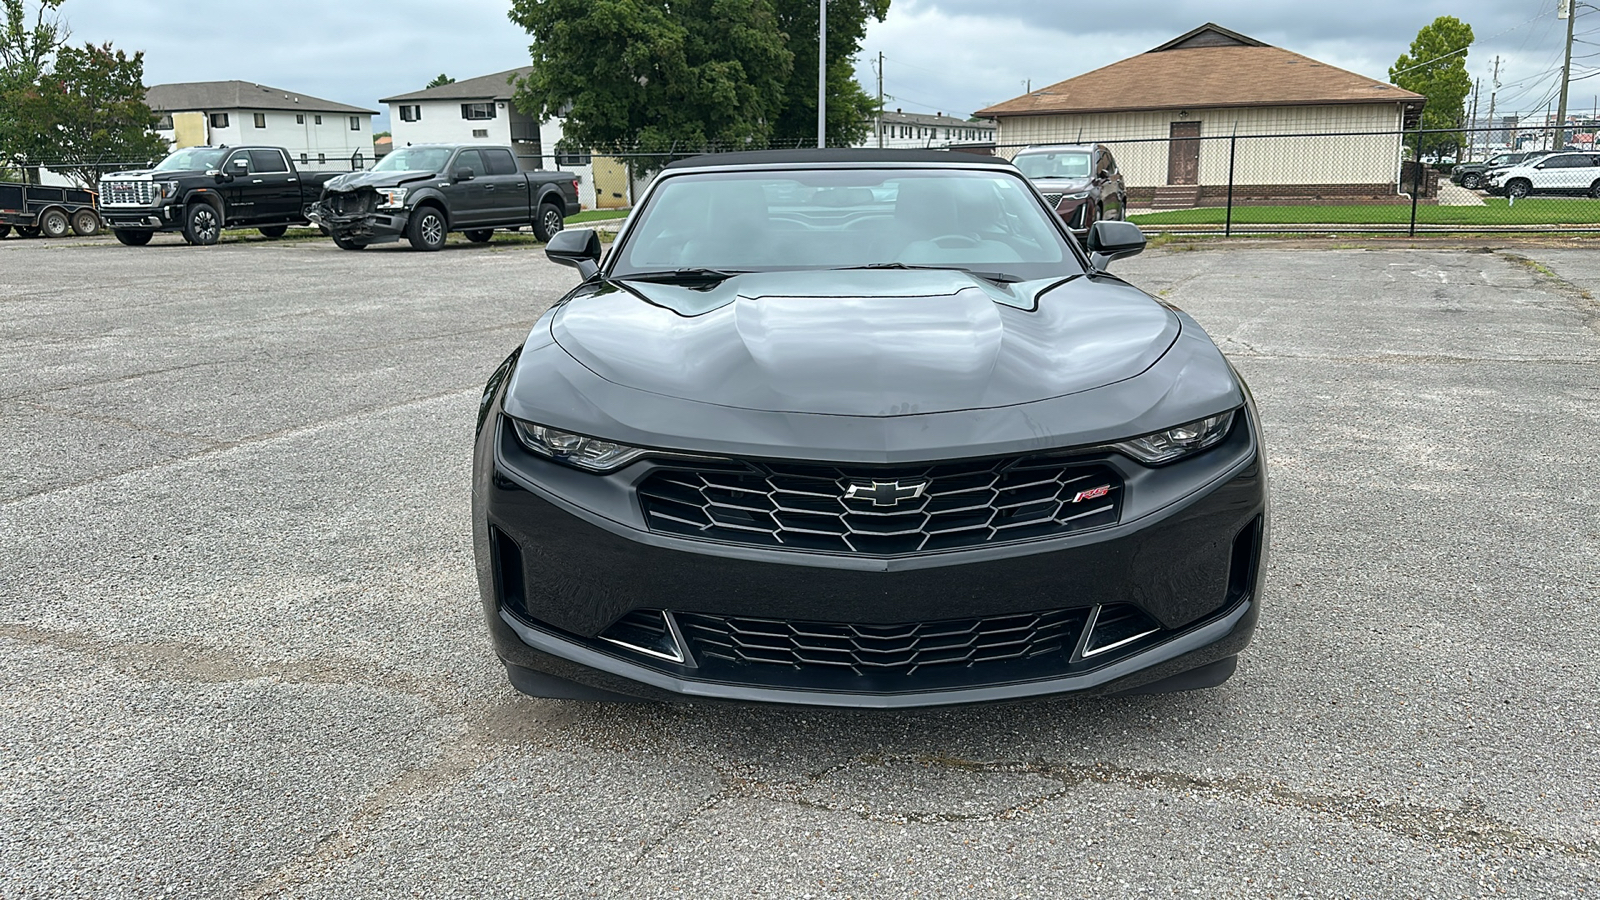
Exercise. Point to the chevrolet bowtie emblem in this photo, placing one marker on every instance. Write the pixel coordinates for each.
(886, 493)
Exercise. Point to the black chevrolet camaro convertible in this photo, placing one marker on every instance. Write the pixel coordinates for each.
(864, 428)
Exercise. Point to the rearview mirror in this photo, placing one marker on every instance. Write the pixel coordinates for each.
(576, 247)
(1113, 240)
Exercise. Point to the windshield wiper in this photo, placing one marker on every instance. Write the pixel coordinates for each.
(681, 276)
(996, 277)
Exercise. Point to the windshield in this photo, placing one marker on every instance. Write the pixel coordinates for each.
(192, 159)
(1072, 164)
(981, 221)
(414, 159)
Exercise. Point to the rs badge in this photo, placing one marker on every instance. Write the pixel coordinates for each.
(1092, 493)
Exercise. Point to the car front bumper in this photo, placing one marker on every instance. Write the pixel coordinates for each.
(557, 579)
(365, 227)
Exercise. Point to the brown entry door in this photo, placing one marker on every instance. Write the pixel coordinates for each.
(1183, 154)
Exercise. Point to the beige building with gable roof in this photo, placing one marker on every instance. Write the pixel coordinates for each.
(1169, 115)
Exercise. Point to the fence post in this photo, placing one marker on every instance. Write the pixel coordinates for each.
(1233, 148)
(1416, 178)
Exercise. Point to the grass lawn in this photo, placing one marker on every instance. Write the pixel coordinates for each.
(1532, 211)
(596, 215)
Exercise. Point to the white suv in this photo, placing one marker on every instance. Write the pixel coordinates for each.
(1555, 173)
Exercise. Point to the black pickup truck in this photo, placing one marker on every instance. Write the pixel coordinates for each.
(423, 192)
(202, 190)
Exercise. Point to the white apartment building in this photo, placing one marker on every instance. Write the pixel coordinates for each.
(909, 131)
(480, 110)
(319, 134)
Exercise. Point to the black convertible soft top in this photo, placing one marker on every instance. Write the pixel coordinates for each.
(848, 155)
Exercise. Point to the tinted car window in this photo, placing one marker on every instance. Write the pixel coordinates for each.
(500, 162)
(471, 159)
(267, 161)
(846, 218)
(414, 159)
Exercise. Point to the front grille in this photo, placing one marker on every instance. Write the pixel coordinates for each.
(357, 203)
(1053, 199)
(127, 193)
(895, 510)
(885, 649)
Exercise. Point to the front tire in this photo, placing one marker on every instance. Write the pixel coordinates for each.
(548, 222)
(1472, 181)
(346, 244)
(132, 238)
(201, 225)
(85, 222)
(1518, 189)
(1594, 190)
(54, 223)
(273, 231)
(479, 235)
(427, 229)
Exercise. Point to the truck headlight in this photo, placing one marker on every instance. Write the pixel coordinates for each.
(169, 189)
(391, 198)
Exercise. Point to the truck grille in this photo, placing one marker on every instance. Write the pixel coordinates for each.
(351, 203)
(884, 511)
(127, 193)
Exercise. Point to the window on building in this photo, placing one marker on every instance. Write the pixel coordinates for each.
(303, 159)
(219, 120)
(480, 132)
(164, 123)
(355, 123)
(410, 113)
(319, 120)
(570, 156)
(300, 118)
(477, 111)
(261, 120)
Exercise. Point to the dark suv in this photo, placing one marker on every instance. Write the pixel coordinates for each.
(1080, 181)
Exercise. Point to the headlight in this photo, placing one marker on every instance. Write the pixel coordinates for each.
(575, 449)
(391, 198)
(1176, 443)
(1081, 195)
(169, 189)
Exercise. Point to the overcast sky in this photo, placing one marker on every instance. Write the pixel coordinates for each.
(952, 56)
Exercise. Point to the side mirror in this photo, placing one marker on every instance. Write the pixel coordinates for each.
(576, 247)
(463, 174)
(1113, 240)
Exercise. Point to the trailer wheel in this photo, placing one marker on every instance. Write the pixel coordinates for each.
(4, 230)
(133, 238)
(85, 222)
(273, 231)
(27, 231)
(54, 223)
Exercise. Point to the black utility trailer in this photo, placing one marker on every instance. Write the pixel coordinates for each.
(35, 209)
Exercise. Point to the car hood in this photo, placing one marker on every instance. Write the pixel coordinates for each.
(155, 175)
(351, 181)
(866, 343)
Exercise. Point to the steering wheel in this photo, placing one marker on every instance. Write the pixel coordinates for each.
(955, 241)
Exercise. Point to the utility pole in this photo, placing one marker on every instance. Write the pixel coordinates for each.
(1567, 9)
(1495, 89)
(822, 73)
(880, 99)
(1472, 121)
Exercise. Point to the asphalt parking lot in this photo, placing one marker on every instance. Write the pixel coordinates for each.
(243, 654)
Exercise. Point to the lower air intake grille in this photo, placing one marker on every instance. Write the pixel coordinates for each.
(885, 649)
(884, 511)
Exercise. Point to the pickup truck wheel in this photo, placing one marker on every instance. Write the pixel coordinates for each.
(549, 221)
(345, 244)
(273, 231)
(479, 235)
(133, 238)
(85, 222)
(54, 223)
(426, 230)
(201, 225)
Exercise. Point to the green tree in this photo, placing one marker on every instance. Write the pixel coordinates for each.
(28, 41)
(441, 80)
(1436, 68)
(850, 109)
(90, 110)
(659, 75)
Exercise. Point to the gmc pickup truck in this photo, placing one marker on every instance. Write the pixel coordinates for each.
(424, 191)
(202, 190)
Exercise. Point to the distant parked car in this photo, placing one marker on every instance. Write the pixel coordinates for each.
(1472, 175)
(1079, 181)
(1554, 173)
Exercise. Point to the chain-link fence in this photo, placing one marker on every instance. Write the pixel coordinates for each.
(87, 173)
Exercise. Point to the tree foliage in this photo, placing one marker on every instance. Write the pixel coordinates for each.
(440, 80)
(79, 107)
(659, 75)
(1436, 68)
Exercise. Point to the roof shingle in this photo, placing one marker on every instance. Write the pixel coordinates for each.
(204, 96)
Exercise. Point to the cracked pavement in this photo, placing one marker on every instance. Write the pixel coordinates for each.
(244, 654)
